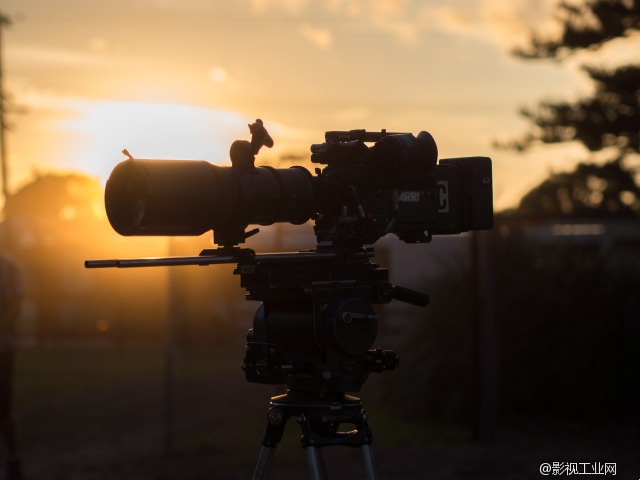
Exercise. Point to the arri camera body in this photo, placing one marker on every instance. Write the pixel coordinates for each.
(316, 327)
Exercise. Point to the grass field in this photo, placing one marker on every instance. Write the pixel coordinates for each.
(94, 413)
(99, 413)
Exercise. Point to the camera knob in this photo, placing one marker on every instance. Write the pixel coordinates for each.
(384, 292)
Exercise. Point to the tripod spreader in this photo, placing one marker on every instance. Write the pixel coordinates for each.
(320, 421)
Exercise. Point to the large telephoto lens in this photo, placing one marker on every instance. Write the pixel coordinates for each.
(184, 197)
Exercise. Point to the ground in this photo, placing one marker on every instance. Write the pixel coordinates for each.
(99, 413)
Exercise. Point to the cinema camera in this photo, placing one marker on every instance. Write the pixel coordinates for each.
(315, 328)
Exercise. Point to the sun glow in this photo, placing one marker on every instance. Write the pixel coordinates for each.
(146, 130)
(83, 135)
(92, 134)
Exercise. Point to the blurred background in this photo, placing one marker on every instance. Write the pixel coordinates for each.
(528, 352)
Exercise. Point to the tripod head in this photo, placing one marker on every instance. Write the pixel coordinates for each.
(315, 328)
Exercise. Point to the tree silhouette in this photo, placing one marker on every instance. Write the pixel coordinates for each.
(590, 191)
(608, 120)
(586, 26)
(610, 117)
(56, 222)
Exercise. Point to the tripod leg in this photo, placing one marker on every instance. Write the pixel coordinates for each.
(324, 465)
(264, 463)
(369, 463)
(312, 461)
(272, 436)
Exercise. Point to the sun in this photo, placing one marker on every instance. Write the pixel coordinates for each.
(102, 129)
(88, 136)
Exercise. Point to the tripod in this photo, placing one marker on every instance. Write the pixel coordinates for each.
(313, 332)
(319, 420)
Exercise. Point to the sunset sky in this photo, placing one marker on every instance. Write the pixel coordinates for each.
(183, 78)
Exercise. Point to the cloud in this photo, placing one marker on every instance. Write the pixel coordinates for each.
(349, 8)
(405, 20)
(319, 36)
(289, 6)
(500, 21)
(510, 22)
(98, 44)
(392, 16)
(46, 55)
(505, 22)
(391, 8)
(457, 19)
(218, 74)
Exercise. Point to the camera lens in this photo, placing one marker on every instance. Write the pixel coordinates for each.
(181, 197)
